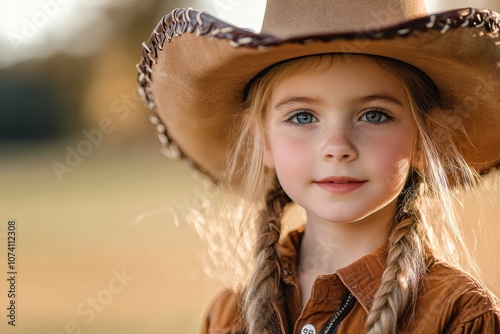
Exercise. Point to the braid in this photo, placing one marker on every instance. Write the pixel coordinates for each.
(263, 287)
(405, 266)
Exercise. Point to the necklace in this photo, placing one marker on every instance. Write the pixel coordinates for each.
(344, 308)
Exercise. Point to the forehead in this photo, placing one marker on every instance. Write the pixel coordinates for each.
(341, 72)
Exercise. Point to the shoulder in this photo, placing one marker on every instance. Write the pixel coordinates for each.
(454, 285)
(458, 300)
(224, 316)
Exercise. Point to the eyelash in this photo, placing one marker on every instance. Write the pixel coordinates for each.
(384, 114)
(289, 118)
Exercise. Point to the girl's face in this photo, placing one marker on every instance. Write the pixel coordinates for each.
(341, 138)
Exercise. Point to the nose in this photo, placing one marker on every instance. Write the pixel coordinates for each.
(339, 145)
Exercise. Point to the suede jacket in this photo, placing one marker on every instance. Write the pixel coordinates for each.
(451, 301)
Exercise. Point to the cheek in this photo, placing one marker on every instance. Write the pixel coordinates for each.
(392, 158)
(289, 155)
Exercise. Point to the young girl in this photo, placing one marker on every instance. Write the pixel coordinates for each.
(360, 114)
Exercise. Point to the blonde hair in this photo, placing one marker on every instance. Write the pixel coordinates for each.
(425, 217)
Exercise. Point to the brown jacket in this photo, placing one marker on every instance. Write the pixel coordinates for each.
(452, 302)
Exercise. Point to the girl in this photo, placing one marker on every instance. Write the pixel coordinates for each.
(360, 114)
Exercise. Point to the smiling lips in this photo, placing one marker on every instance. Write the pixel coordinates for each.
(340, 184)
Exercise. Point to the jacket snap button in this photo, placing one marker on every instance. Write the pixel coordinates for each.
(308, 329)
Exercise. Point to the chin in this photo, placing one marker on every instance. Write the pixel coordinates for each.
(341, 219)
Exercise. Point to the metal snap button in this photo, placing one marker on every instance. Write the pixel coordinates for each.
(308, 329)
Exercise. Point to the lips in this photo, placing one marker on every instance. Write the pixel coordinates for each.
(339, 179)
(340, 184)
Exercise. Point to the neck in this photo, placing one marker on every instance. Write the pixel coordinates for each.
(329, 246)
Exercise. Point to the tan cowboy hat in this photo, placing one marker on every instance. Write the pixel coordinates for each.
(195, 67)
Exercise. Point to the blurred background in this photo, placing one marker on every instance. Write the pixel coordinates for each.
(98, 247)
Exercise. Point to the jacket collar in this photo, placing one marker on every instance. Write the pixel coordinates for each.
(362, 277)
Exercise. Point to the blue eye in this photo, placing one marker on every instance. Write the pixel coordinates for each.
(375, 116)
(302, 118)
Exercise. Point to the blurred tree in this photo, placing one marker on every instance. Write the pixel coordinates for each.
(30, 108)
(64, 94)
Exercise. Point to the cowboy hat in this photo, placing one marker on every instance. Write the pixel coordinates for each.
(194, 67)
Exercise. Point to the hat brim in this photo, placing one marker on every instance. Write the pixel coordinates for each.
(194, 70)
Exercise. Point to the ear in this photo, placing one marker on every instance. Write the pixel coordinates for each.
(418, 156)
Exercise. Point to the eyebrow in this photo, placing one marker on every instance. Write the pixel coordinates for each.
(286, 101)
(385, 97)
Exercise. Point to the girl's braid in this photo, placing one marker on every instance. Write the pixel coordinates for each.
(263, 287)
(405, 267)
